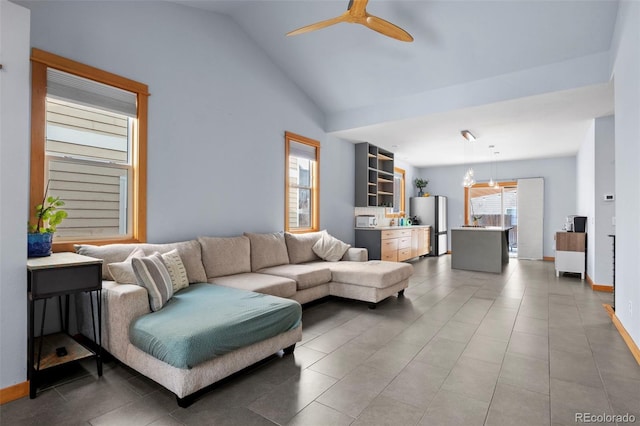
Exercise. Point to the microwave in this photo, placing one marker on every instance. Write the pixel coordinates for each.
(366, 221)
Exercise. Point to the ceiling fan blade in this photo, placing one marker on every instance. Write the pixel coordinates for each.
(318, 25)
(357, 7)
(387, 28)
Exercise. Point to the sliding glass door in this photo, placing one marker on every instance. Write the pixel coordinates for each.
(494, 206)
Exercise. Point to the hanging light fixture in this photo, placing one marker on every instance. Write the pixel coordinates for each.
(469, 179)
(467, 135)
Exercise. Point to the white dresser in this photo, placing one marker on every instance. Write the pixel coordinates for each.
(570, 252)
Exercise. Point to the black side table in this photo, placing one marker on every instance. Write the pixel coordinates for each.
(61, 274)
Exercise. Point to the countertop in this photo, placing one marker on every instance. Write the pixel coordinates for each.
(386, 228)
(483, 228)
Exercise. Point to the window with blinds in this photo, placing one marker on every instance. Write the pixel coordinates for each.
(87, 154)
(89, 148)
(398, 192)
(301, 189)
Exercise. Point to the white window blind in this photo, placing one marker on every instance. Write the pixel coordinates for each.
(68, 87)
(302, 150)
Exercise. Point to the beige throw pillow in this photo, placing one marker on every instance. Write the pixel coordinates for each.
(110, 253)
(177, 271)
(330, 248)
(122, 272)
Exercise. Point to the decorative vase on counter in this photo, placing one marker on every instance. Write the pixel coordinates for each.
(420, 193)
(39, 244)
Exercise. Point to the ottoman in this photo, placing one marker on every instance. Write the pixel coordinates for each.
(370, 281)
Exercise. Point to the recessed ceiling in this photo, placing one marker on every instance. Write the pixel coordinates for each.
(543, 126)
(346, 67)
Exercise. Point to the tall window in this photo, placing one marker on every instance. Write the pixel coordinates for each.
(302, 207)
(399, 199)
(88, 147)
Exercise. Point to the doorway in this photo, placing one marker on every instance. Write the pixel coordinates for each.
(494, 206)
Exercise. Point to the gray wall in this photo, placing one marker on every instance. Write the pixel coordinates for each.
(626, 73)
(217, 114)
(559, 188)
(14, 191)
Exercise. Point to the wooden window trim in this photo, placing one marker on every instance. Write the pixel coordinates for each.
(403, 201)
(315, 192)
(480, 185)
(40, 61)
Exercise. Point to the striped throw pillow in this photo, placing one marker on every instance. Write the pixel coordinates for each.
(177, 271)
(151, 274)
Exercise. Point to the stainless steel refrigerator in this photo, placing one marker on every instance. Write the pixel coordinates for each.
(432, 211)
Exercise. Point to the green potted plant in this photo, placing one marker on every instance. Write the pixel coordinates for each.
(40, 234)
(420, 183)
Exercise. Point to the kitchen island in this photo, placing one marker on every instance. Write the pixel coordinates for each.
(481, 249)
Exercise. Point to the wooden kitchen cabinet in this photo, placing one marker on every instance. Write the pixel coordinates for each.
(421, 241)
(394, 245)
(389, 250)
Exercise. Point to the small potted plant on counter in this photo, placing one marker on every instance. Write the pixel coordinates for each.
(40, 236)
(421, 183)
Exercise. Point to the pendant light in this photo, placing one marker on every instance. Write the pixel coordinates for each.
(491, 181)
(469, 176)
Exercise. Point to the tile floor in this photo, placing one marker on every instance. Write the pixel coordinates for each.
(461, 348)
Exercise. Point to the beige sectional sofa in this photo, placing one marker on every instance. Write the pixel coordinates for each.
(278, 264)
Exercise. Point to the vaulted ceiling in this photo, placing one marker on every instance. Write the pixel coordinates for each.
(525, 76)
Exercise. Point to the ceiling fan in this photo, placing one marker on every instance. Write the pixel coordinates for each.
(357, 14)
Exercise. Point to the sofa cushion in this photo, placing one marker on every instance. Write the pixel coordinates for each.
(207, 321)
(374, 273)
(300, 246)
(267, 250)
(260, 283)
(153, 275)
(330, 248)
(306, 276)
(189, 251)
(122, 272)
(224, 256)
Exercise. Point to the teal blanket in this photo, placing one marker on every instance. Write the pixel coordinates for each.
(207, 320)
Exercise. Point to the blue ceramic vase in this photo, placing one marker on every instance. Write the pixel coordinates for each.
(39, 245)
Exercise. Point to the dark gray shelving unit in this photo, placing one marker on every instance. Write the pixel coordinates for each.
(374, 176)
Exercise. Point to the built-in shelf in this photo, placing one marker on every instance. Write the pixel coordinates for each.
(374, 176)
